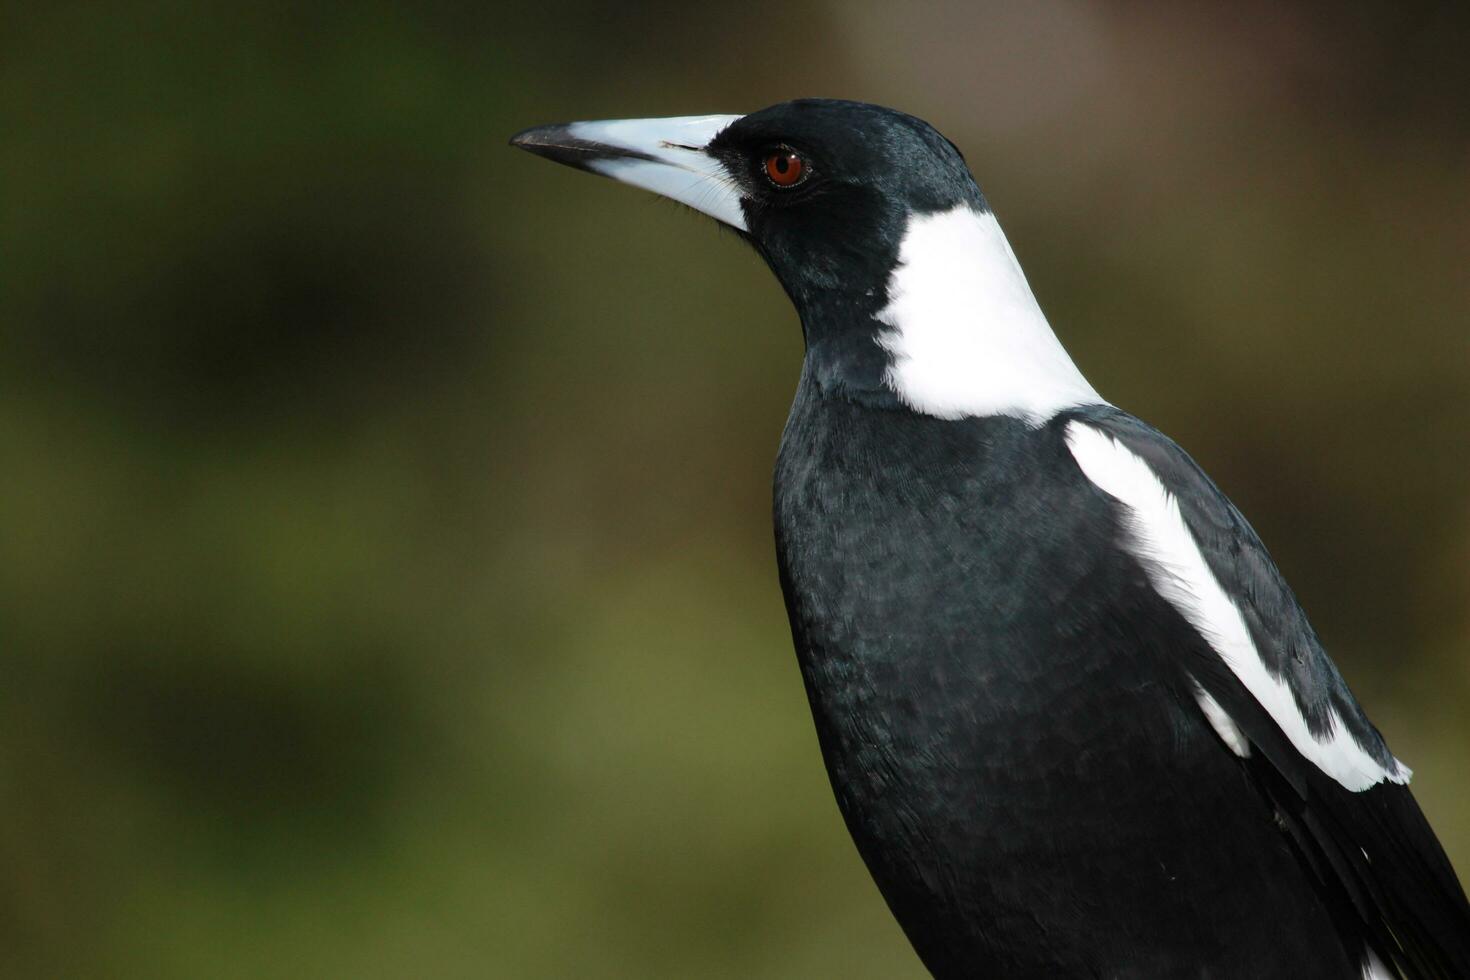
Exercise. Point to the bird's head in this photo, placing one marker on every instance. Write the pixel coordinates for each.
(822, 188)
(871, 220)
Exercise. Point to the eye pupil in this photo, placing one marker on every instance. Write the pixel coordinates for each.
(785, 168)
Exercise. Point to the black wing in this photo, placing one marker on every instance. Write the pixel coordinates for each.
(1374, 853)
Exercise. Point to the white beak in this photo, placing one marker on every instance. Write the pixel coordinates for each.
(666, 156)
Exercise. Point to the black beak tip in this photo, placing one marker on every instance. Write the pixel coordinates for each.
(556, 142)
(538, 138)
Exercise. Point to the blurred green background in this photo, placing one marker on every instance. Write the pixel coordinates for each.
(387, 585)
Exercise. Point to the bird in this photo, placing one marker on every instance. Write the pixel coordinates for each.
(1075, 720)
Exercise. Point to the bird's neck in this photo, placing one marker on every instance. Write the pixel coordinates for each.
(955, 331)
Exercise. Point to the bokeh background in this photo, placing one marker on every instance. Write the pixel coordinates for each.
(387, 587)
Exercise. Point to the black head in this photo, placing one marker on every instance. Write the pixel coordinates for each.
(863, 171)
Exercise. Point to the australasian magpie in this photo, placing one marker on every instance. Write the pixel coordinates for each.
(1075, 719)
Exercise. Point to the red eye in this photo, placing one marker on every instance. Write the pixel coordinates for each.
(785, 168)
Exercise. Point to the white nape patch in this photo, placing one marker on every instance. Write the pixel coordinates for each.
(1374, 968)
(1176, 568)
(681, 169)
(1222, 723)
(968, 338)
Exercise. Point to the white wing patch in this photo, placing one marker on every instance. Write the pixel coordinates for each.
(1176, 568)
(1226, 728)
(1373, 968)
(967, 337)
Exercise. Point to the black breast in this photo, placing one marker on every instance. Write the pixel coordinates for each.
(1023, 769)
